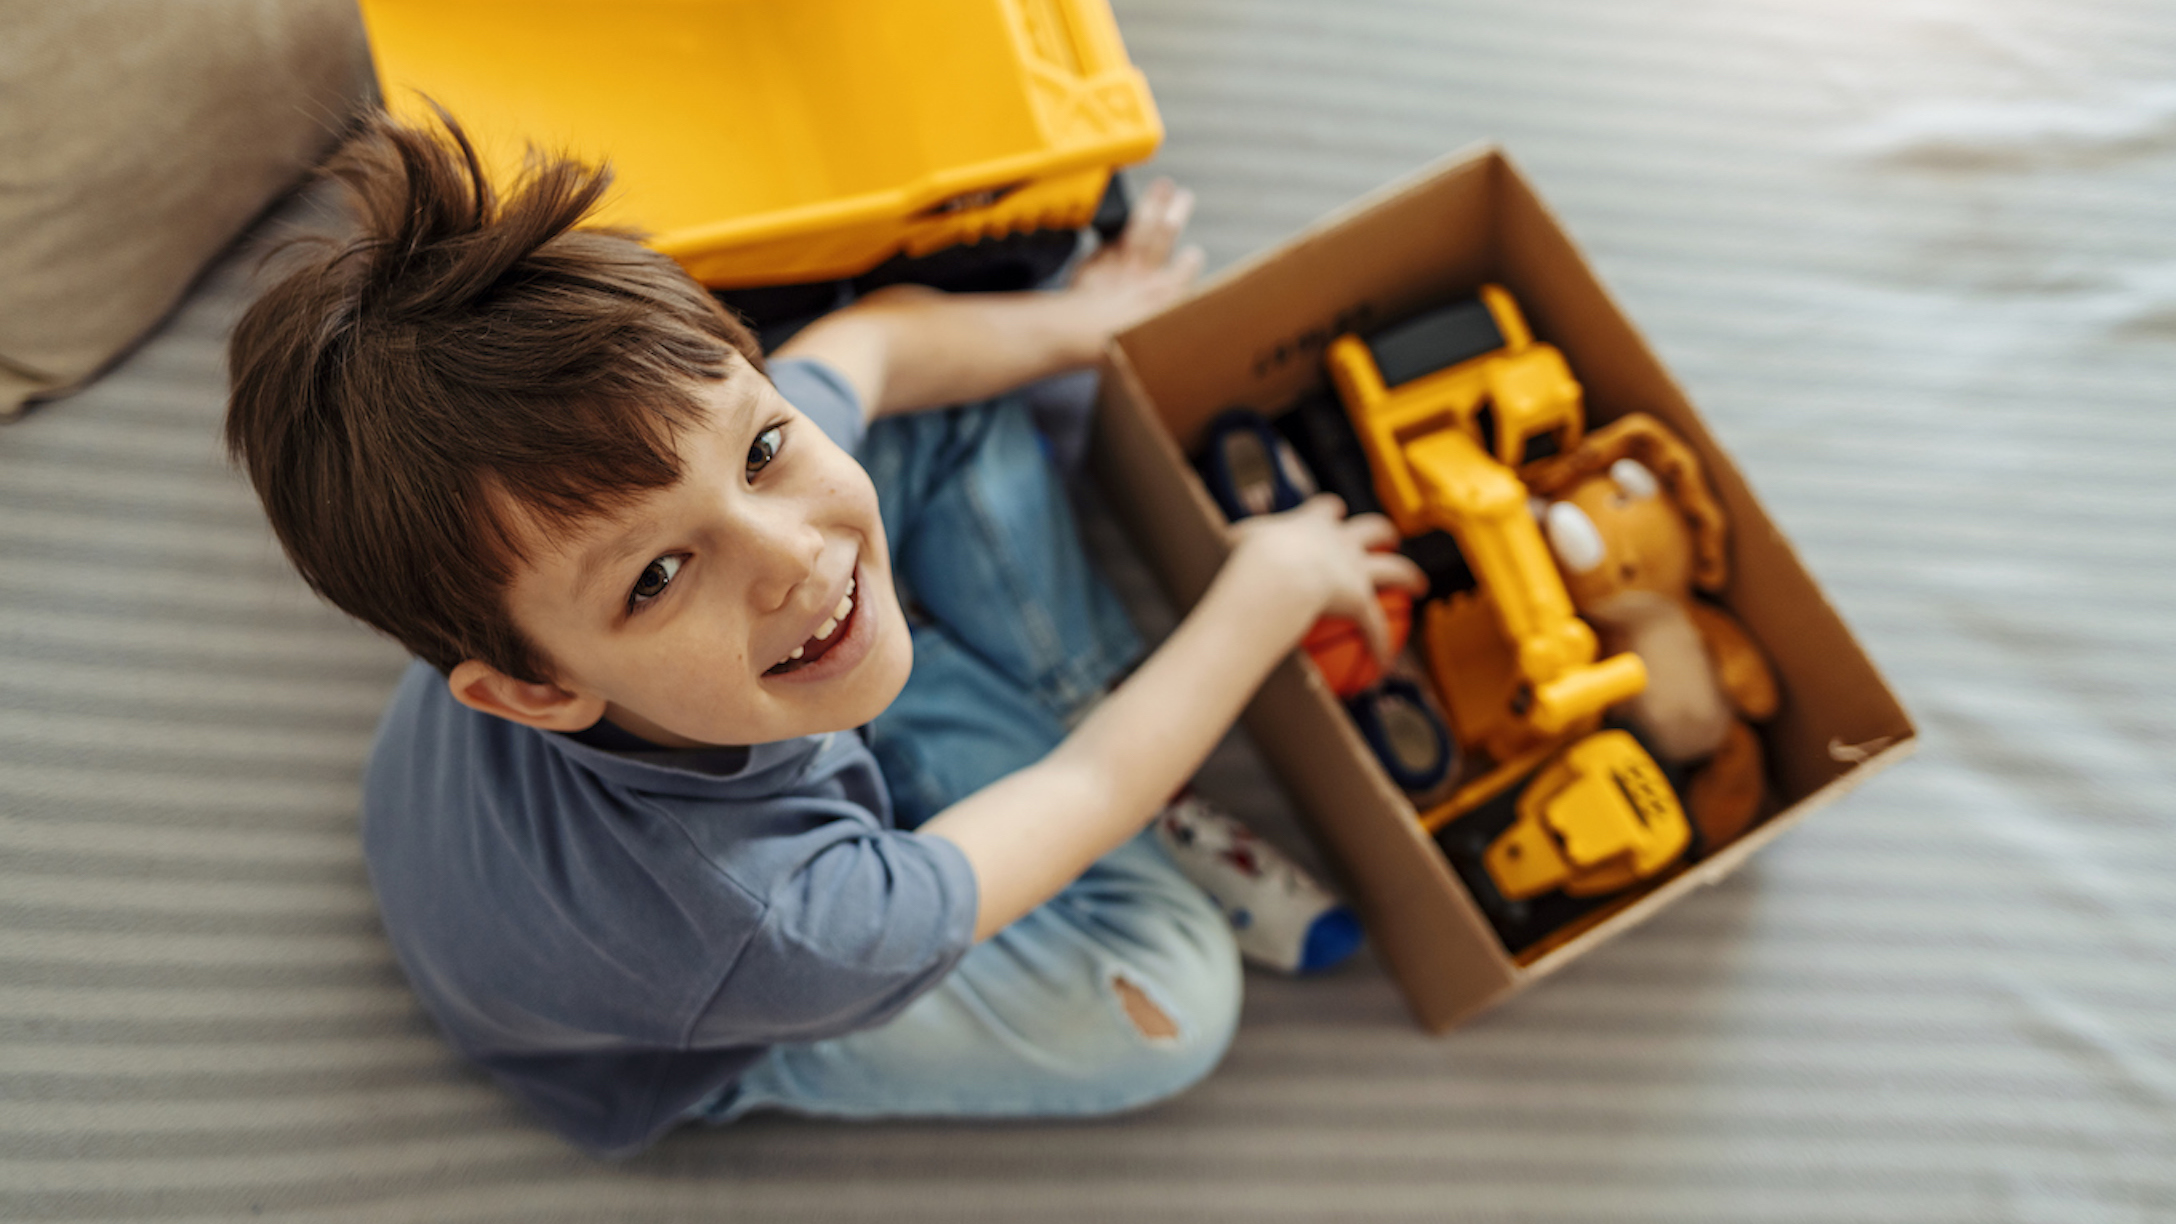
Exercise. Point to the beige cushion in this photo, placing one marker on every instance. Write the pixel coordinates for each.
(137, 138)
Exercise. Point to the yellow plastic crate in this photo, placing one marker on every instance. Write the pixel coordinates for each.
(768, 142)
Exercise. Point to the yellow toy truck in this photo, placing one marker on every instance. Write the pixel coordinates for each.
(1448, 406)
(766, 144)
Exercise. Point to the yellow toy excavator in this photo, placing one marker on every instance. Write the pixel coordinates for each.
(1448, 406)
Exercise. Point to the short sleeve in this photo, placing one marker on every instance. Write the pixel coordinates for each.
(822, 395)
(858, 922)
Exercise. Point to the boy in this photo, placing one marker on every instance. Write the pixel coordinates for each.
(626, 840)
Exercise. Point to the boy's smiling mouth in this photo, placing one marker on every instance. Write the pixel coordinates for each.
(830, 633)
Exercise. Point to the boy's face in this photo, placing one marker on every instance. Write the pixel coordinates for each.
(710, 611)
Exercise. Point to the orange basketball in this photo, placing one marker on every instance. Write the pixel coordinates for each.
(1341, 653)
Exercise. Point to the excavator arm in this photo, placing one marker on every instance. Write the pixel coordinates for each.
(1435, 467)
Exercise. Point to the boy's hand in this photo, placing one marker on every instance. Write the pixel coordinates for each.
(1138, 275)
(905, 348)
(1331, 565)
(1029, 833)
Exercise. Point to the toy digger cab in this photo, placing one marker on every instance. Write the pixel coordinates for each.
(764, 144)
(1448, 407)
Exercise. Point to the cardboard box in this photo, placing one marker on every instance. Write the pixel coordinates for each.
(1254, 336)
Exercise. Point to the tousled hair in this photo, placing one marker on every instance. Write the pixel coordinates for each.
(405, 393)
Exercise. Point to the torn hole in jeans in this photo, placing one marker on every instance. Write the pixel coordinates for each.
(1151, 1019)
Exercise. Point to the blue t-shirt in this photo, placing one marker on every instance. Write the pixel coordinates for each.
(615, 931)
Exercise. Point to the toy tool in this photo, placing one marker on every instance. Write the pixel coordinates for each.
(1598, 818)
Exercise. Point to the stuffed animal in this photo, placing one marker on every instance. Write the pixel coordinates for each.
(1636, 531)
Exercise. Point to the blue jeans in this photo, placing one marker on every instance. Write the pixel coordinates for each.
(1014, 637)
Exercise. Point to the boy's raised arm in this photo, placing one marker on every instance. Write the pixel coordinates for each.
(908, 348)
(1029, 834)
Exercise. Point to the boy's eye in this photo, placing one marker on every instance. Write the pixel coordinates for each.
(655, 578)
(764, 449)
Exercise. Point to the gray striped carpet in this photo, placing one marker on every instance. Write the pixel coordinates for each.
(1917, 262)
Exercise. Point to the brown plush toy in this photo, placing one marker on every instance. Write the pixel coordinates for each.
(1636, 531)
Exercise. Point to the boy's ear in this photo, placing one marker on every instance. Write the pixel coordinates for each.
(547, 707)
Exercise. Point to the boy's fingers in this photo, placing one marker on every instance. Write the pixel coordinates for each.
(1372, 530)
(1188, 265)
(1396, 570)
(1157, 222)
(1179, 210)
(1148, 210)
(1329, 505)
(1375, 626)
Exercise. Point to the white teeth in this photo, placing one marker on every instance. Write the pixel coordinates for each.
(838, 613)
(830, 626)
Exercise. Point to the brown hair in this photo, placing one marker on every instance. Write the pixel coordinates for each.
(405, 391)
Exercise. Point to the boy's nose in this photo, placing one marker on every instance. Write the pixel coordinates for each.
(784, 551)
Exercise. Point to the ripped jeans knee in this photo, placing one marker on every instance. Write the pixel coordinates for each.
(1122, 992)
(1149, 1018)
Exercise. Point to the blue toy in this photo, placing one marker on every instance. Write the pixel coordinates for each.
(1405, 733)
